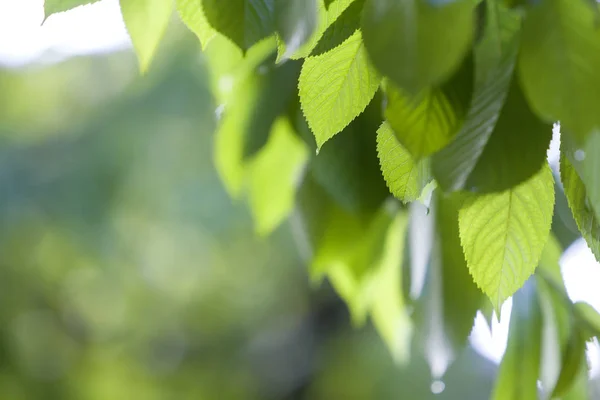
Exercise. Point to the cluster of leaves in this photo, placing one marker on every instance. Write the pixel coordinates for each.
(327, 106)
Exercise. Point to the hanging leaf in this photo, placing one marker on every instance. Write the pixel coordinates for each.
(341, 29)
(405, 178)
(589, 318)
(274, 175)
(446, 311)
(192, 15)
(146, 22)
(558, 64)
(516, 149)
(495, 57)
(518, 374)
(245, 22)
(56, 6)
(415, 43)
(503, 235)
(580, 205)
(573, 361)
(336, 87)
(325, 17)
(425, 123)
(295, 22)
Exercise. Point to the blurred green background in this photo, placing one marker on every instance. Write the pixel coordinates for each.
(126, 272)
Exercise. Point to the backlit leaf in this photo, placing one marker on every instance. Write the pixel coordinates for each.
(584, 216)
(192, 15)
(146, 22)
(274, 174)
(336, 87)
(341, 29)
(405, 178)
(415, 43)
(558, 64)
(426, 122)
(503, 235)
(56, 6)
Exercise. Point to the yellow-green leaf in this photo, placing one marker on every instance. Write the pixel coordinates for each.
(336, 87)
(405, 178)
(192, 15)
(503, 234)
(146, 22)
(56, 6)
(274, 175)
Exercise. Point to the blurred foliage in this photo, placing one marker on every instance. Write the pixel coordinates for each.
(128, 273)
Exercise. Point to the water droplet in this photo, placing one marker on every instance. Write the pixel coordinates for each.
(579, 155)
(317, 151)
(437, 387)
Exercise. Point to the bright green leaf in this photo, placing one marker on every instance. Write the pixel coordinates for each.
(518, 374)
(192, 15)
(274, 175)
(495, 57)
(341, 29)
(415, 43)
(336, 87)
(558, 64)
(573, 361)
(589, 317)
(146, 22)
(295, 22)
(503, 235)
(245, 22)
(405, 178)
(584, 216)
(426, 122)
(580, 388)
(56, 6)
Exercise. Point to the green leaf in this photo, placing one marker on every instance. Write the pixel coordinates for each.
(573, 361)
(192, 15)
(146, 22)
(516, 149)
(328, 3)
(326, 16)
(348, 168)
(274, 174)
(558, 64)
(579, 204)
(295, 22)
(56, 6)
(450, 300)
(415, 43)
(425, 123)
(518, 374)
(580, 388)
(405, 178)
(589, 317)
(503, 235)
(336, 87)
(587, 162)
(245, 22)
(495, 57)
(341, 29)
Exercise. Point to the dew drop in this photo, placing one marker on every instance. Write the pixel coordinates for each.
(437, 387)
(579, 155)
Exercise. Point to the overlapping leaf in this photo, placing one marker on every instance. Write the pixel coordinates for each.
(341, 29)
(495, 57)
(503, 234)
(558, 64)
(415, 43)
(584, 216)
(519, 370)
(426, 122)
(146, 22)
(295, 23)
(245, 22)
(56, 6)
(405, 178)
(336, 87)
